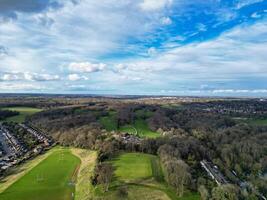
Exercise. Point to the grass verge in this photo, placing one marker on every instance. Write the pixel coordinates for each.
(84, 188)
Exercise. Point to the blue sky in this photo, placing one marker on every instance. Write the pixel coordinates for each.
(153, 47)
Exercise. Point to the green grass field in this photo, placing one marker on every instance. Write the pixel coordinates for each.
(253, 121)
(142, 175)
(109, 122)
(257, 122)
(24, 112)
(133, 166)
(139, 126)
(50, 179)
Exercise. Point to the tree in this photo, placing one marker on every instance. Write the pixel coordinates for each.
(225, 192)
(177, 175)
(104, 173)
(204, 193)
(165, 151)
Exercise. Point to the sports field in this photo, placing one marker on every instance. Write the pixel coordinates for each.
(23, 113)
(142, 175)
(52, 178)
(133, 166)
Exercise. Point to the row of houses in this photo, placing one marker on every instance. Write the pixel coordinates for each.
(13, 146)
(41, 137)
(14, 152)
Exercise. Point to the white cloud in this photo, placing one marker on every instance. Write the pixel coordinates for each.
(239, 91)
(76, 77)
(256, 15)
(233, 92)
(86, 67)
(152, 51)
(130, 78)
(152, 5)
(10, 77)
(165, 21)
(236, 53)
(201, 27)
(242, 3)
(40, 77)
(89, 29)
(20, 87)
(27, 76)
(94, 30)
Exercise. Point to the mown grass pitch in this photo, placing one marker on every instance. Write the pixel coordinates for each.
(23, 113)
(133, 166)
(50, 180)
(142, 175)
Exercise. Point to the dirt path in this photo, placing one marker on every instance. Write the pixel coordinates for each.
(83, 189)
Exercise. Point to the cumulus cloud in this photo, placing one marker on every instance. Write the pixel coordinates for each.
(10, 77)
(236, 53)
(134, 38)
(40, 77)
(152, 5)
(76, 77)
(86, 67)
(57, 29)
(9, 8)
(27, 76)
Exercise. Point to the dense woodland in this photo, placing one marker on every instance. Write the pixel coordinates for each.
(7, 113)
(188, 133)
